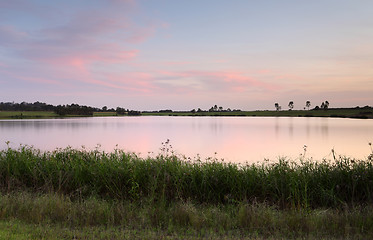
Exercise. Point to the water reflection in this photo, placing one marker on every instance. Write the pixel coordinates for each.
(238, 139)
(291, 127)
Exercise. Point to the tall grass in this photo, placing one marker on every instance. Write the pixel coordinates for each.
(167, 178)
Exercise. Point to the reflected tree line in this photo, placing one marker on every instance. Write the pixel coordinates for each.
(324, 106)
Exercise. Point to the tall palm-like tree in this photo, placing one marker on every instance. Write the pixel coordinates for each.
(308, 104)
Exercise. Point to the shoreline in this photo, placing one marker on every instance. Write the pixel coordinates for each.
(354, 113)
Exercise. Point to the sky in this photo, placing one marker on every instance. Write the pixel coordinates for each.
(183, 55)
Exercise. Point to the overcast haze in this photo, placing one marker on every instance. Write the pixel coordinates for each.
(167, 54)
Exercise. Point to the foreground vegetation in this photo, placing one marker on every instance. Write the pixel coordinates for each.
(119, 195)
(27, 215)
(167, 178)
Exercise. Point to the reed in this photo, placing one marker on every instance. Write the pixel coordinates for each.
(168, 177)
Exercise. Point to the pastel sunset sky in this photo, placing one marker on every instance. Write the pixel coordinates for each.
(180, 55)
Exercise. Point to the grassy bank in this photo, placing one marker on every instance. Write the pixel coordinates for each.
(174, 197)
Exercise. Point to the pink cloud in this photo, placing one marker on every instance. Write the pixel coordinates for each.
(138, 82)
(219, 80)
(178, 63)
(102, 34)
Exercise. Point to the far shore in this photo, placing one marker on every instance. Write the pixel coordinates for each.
(360, 113)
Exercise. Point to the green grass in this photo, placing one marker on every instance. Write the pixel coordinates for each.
(26, 114)
(104, 114)
(26, 215)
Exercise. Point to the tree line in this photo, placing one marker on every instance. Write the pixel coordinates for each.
(324, 105)
(24, 106)
(62, 110)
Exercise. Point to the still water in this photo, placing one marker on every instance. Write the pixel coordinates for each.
(235, 139)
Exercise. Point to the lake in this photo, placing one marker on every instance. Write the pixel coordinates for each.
(235, 139)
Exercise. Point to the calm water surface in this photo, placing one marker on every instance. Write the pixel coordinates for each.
(236, 139)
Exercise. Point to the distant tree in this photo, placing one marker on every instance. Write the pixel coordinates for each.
(199, 110)
(165, 111)
(308, 104)
(134, 113)
(73, 109)
(193, 111)
(326, 105)
(291, 105)
(220, 109)
(104, 108)
(277, 106)
(229, 110)
(215, 108)
(60, 110)
(120, 111)
(322, 106)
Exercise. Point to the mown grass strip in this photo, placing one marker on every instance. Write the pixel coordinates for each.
(55, 216)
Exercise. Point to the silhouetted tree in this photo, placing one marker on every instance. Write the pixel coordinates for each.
(326, 105)
(308, 104)
(291, 105)
(120, 111)
(74, 109)
(277, 106)
(134, 113)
